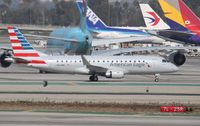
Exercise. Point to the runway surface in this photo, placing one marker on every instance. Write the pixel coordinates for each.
(21, 83)
(64, 119)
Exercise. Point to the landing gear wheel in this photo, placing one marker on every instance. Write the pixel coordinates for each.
(45, 83)
(157, 77)
(94, 78)
(90, 78)
(41, 71)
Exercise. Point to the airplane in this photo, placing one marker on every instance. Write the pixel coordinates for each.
(96, 25)
(184, 24)
(79, 40)
(108, 66)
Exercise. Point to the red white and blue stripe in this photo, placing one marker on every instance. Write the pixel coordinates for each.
(22, 48)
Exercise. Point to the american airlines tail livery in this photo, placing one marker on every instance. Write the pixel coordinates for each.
(107, 66)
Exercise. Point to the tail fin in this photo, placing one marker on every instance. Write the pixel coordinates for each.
(22, 48)
(180, 17)
(93, 21)
(172, 12)
(152, 19)
(83, 13)
(192, 22)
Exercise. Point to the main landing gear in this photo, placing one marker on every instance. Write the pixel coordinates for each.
(157, 76)
(94, 77)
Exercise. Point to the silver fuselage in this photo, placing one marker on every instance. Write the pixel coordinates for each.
(126, 64)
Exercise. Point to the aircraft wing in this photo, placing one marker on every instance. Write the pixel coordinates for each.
(98, 42)
(139, 49)
(93, 68)
(49, 37)
(170, 34)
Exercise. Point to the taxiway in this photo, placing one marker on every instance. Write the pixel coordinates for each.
(70, 119)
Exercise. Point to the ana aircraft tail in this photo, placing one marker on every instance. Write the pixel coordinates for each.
(22, 49)
(179, 16)
(152, 19)
(93, 21)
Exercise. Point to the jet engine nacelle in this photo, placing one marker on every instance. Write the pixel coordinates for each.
(3, 62)
(114, 74)
(177, 58)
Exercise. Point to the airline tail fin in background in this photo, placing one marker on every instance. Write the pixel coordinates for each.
(179, 16)
(93, 21)
(83, 13)
(152, 19)
(192, 22)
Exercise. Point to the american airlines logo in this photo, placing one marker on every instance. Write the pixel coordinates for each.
(92, 17)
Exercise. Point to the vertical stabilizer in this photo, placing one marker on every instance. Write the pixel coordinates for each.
(152, 19)
(83, 12)
(173, 14)
(93, 21)
(191, 21)
(22, 48)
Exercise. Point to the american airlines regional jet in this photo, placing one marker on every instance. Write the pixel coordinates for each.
(107, 66)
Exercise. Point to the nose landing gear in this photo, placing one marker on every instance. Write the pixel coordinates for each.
(45, 83)
(157, 77)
